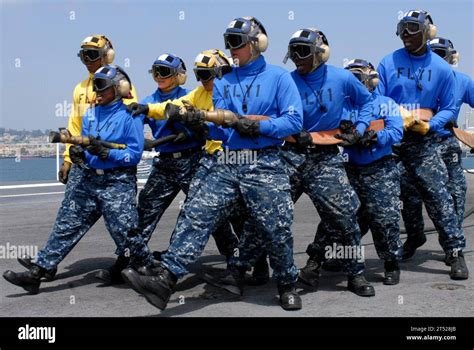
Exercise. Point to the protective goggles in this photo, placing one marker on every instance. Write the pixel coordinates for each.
(235, 41)
(412, 27)
(204, 74)
(302, 50)
(440, 51)
(363, 77)
(358, 63)
(89, 55)
(162, 71)
(442, 47)
(101, 84)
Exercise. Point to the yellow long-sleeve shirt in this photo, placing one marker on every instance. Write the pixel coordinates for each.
(199, 98)
(83, 97)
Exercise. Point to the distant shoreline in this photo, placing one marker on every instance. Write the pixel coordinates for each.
(27, 157)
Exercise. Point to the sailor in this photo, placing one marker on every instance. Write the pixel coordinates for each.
(415, 77)
(174, 173)
(448, 146)
(374, 174)
(319, 170)
(252, 88)
(107, 180)
(96, 51)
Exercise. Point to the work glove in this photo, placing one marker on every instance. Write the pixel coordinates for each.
(348, 140)
(303, 139)
(77, 155)
(346, 127)
(192, 117)
(420, 127)
(247, 127)
(136, 109)
(97, 149)
(64, 172)
(368, 139)
(408, 121)
(408, 118)
(451, 124)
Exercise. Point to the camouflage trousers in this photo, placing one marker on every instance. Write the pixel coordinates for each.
(378, 187)
(321, 175)
(168, 177)
(112, 195)
(431, 173)
(323, 178)
(262, 186)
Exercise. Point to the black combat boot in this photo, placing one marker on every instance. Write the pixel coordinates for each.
(392, 273)
(232, 280)
(412, 244)
(113, 274)
(333, 265)
(149, 270)
(260, 273)
(29, 280)
(27, 261)
(290, 300)
(157, 289)
(458, 265)
(359, 285)
(310, 273)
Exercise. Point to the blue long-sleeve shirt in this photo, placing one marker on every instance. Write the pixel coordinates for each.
(336, 87)
(349, 112)
(464, 93)
(383, 108)
(161, 128)
(114, 124)
(270, 91)
(399, 73)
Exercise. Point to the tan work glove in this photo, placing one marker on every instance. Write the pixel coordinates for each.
(421, 127)
(408, 118)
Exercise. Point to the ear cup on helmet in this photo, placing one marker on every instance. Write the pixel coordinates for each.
(181, 78)
(373, 82)
(455, 58)
(325, 55)
(109, 56)
(109, 51)
(432, 30)
(262, 43)
(262, 38)
(124, 88)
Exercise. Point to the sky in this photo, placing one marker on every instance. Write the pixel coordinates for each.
(40, 41)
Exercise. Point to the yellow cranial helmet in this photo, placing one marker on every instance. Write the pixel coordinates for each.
(210, 64)
(97, 46)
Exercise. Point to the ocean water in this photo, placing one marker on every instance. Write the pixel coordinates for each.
(29, 169)
(24, 169)
(43, 169)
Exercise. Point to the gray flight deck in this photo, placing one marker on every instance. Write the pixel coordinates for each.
(27, 216)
